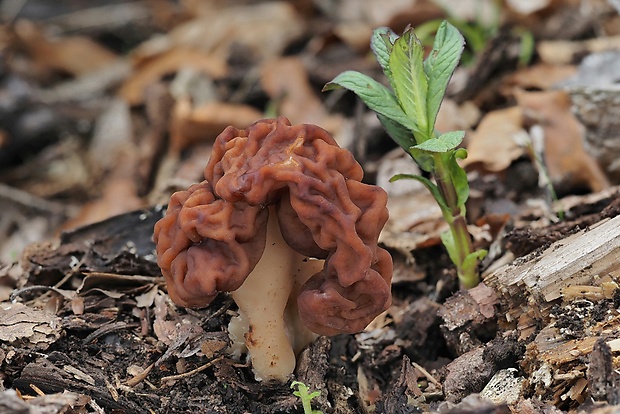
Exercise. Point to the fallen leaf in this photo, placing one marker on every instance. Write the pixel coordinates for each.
(112, 152)
(408, 228)
(286, 82)
(398, 162)
(75, 55)
(261, 30)
(152, 70)
(146, 299)
(494, 145)
(539, 76)
(165, 330)
(567, 162)
(119, 195)
(195, 124)
(457, 117)
(565, 51)
(355, 34)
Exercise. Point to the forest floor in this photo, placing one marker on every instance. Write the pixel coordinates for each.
(107, 107)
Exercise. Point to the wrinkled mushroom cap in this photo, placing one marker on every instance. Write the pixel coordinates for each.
(214, 233)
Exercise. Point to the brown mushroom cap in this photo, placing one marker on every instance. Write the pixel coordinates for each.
(206, 245)
(213, 233)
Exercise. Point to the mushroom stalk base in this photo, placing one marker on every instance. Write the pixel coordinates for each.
(268, 322)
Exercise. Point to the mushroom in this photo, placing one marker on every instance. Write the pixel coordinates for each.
(284, 223)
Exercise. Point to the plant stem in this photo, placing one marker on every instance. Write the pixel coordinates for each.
(468, 278)
(458, 225)
(306, 406)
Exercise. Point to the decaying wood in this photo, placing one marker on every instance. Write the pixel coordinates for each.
(563, 301)
(531, 285)
(121, 244)
(49, 378)
(604, 380)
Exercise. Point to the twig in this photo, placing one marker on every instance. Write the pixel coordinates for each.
(426, 374)
(106, 329)
(192, 372)
(18, 292)
(132, 382)
(215, 314)
(31, 201)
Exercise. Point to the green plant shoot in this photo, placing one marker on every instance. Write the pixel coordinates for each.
(305, 397)
(408, 112)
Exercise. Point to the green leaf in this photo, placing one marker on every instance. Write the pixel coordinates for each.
(424, 159)
(409, 81)
(401, 135)
(442, 143)
(440, 64)
(381, 44)
(377, 97)
(432, 187)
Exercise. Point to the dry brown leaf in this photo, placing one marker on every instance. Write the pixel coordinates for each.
(540, 76)
(398, 162)
(415, 218)
(415, 222)
(165, 330)
(563, 52)
(261, 30)
(190, 125)
(119, 196)
(75, 55)
(495, 144)
(286, 81)
(355, 34)
(114, 156)
(151, 70)
(147, 299)
(566, 160)
(453, 116)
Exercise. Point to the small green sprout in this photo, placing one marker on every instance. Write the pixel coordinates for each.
(408, 111)
(306, 399)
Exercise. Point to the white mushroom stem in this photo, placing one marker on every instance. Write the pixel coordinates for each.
(268, 319)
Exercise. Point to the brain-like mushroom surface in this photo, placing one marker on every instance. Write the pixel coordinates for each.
(213, 234)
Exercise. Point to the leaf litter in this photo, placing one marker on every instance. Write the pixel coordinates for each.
(102, 118)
